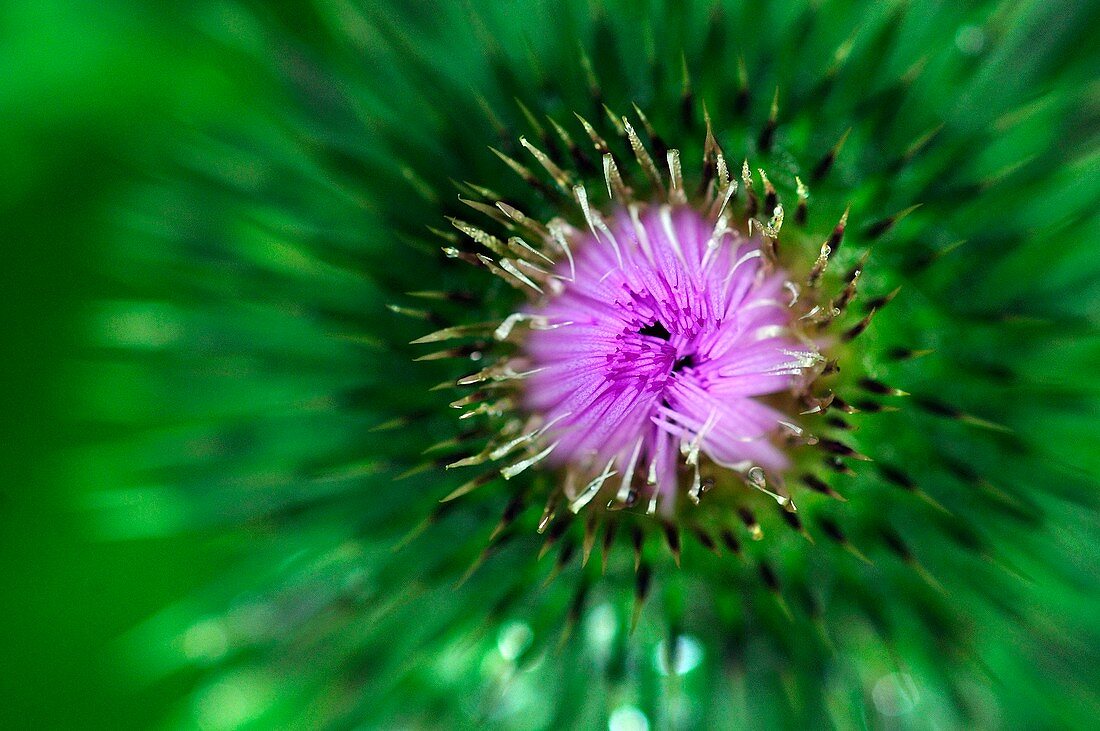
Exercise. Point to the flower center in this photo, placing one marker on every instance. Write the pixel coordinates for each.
(667, 333)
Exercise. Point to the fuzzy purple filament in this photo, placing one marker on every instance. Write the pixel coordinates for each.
(674, 334)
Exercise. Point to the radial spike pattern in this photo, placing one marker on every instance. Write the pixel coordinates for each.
(669, 346)
(710, 340)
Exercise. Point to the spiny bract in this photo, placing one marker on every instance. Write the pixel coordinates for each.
(656, 339)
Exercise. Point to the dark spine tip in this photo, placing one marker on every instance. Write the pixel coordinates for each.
(741, 101)
(643, 581)
(832, 530)
(868, 406)
(836, 464)
(858, 328)
(877, 303)
(637, 538)
(876, 387)
(729, 540)
(687, 108)
(896, 545)
(901, 353)
(879, 228)
(816, 484)
(577, 605)
(938, 408)
(568, 550)
(608, 541)
(771, 200)
(836, 237)
(842, 405)
(672, 537)
(824, 165)
(791, 519)
(834, 447)
(705, 539)
(767, 136)
(897, 477)
(768, 576)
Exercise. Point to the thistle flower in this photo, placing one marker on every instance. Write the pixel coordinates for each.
(653, 336)
(620, 385)
(607, 380)
(819, 434)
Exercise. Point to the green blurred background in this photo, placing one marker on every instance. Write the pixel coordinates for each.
(88, 92)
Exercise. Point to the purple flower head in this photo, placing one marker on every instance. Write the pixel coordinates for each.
(658, 347)
(665, 347)
(667, 343)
